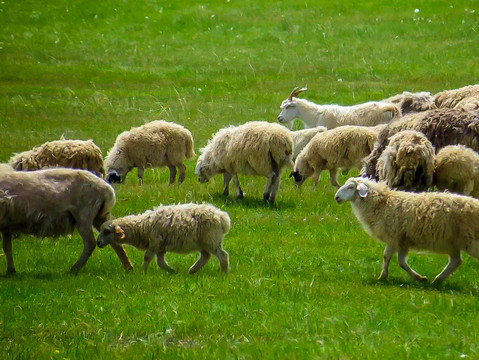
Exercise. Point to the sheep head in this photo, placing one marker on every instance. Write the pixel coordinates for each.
(353, 188)
(110, 234)
(289, 110)
(302, 170)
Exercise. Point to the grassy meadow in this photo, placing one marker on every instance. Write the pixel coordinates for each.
(302, 280)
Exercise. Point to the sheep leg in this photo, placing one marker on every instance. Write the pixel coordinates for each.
(226, 183)
(7, 249)
(149, 255)
(238, 187)
(223, 259)
(172, 174)
(274, 188)
(181, 177)
(333, 174)
(141, 171)
(453, 264)
(268, 189)
(160, 260)
(120, 252)
(89, 245)
(402, 255)
(388, 253)
(203, 259)
(316, 176)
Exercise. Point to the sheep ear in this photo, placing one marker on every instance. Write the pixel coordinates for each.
(119, 231)
(363, 190)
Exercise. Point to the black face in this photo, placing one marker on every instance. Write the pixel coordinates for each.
(113, 177)
(297, 177)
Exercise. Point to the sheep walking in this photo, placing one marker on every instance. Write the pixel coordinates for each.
(155, 144)
(54, 202)
(407, 163)
(175, 228)
(75, 154)
(437, 222)
(343, 147)
(456, 169)
(331, 116)
(255, 148)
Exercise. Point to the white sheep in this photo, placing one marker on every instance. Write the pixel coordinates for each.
(301, 138)
(51, 203)
(255, 148)
(75, 154)
(456, 169)
(155, 144)
(331, 116)
(457, 98)
(180, 229)
(437, 222)
(407, 162)
(412, 102)
(342, 147)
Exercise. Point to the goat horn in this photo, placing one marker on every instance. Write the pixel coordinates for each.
(296, 91)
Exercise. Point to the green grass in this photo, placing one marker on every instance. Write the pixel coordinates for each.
(302, 282)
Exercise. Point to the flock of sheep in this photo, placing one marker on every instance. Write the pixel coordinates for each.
(403, 145)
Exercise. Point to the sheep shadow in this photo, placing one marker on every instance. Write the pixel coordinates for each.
(22, 276)
(251, 202)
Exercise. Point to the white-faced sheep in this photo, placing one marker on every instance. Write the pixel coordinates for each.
(342, 147)
(155, 144)
(412, 102)
(75, 154)
(437, 222)
(331, 116)
(255, 148)
(54, 202)
(407, 162)
(175, 228)
(456, 98)
(301, 138)
(457, 170)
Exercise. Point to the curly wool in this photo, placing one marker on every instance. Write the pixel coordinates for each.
(301, 138)
(456, 98)
(412, 102)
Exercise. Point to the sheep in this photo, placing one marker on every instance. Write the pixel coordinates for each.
(342, 147)
(442, 127)
(155, 144)
(407, 163)
(75, 154)
(456, 98)
(301, 138)
(437, 222)
(456, 169)
(255, 148)
(54, 202)
(412, 102)
(331, 116)
(183, 228)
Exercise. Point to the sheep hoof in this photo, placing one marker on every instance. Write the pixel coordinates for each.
(11, 272)
(382, 277)
(437, 281)
(422, 279)
(240, 196)
(265, 197)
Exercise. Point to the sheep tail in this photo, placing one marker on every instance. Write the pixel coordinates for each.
(190, 151)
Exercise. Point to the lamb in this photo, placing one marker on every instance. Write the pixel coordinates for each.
(438, 222)
(54, 202)
(412, 102)
(181, 228)
(155, 144)
(75, 154)
(255, 148)
(342, 147)
(301, 138)
(456, 98)
(407, 163)
(442, 127)
(457, 170)
(331, 116)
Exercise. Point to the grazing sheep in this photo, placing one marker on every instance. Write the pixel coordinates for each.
(457, 170)
(155, 144)
(75, 154)
(456, 98)
(301, 138)
(255, 148)
(412, 102)
(442, 127)
(54, 202)
(331, 116)
(343, 147)
(175, 228)
(407, 163)
(438, 222)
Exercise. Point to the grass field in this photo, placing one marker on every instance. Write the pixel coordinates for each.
(302, 281)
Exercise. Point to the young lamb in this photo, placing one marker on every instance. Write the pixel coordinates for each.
(54, 202)
(342, 147)
(331, 116)
(175, 228)
(155, 144)
(457, 170)
(301, 138)
(255, 148)
(407, 162)
(412, 102)
(442, 127)
(75, 154)
(456, 98)
(438, 222)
